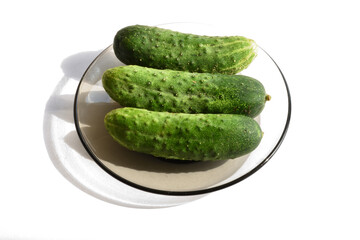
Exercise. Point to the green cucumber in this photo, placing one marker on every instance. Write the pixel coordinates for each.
(178, 91)
(166, 49)
(182, 136)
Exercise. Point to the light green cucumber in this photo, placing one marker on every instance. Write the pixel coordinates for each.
(198, 137)
(166, 49)
(179, 91)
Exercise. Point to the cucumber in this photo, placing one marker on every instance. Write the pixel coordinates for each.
(182, 136)
(165, 49)
(179, 91)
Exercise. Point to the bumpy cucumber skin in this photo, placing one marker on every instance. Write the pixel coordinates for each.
(165, 49)
(198, 137)
(178, 91)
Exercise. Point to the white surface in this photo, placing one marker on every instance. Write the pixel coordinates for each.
(308, 190)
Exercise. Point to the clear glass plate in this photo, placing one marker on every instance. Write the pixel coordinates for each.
(155, 175)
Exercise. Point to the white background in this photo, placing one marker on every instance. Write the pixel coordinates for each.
(310, 189)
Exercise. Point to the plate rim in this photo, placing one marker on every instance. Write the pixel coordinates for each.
(178, 193)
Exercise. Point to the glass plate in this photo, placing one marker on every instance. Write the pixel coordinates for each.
(155, 175)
